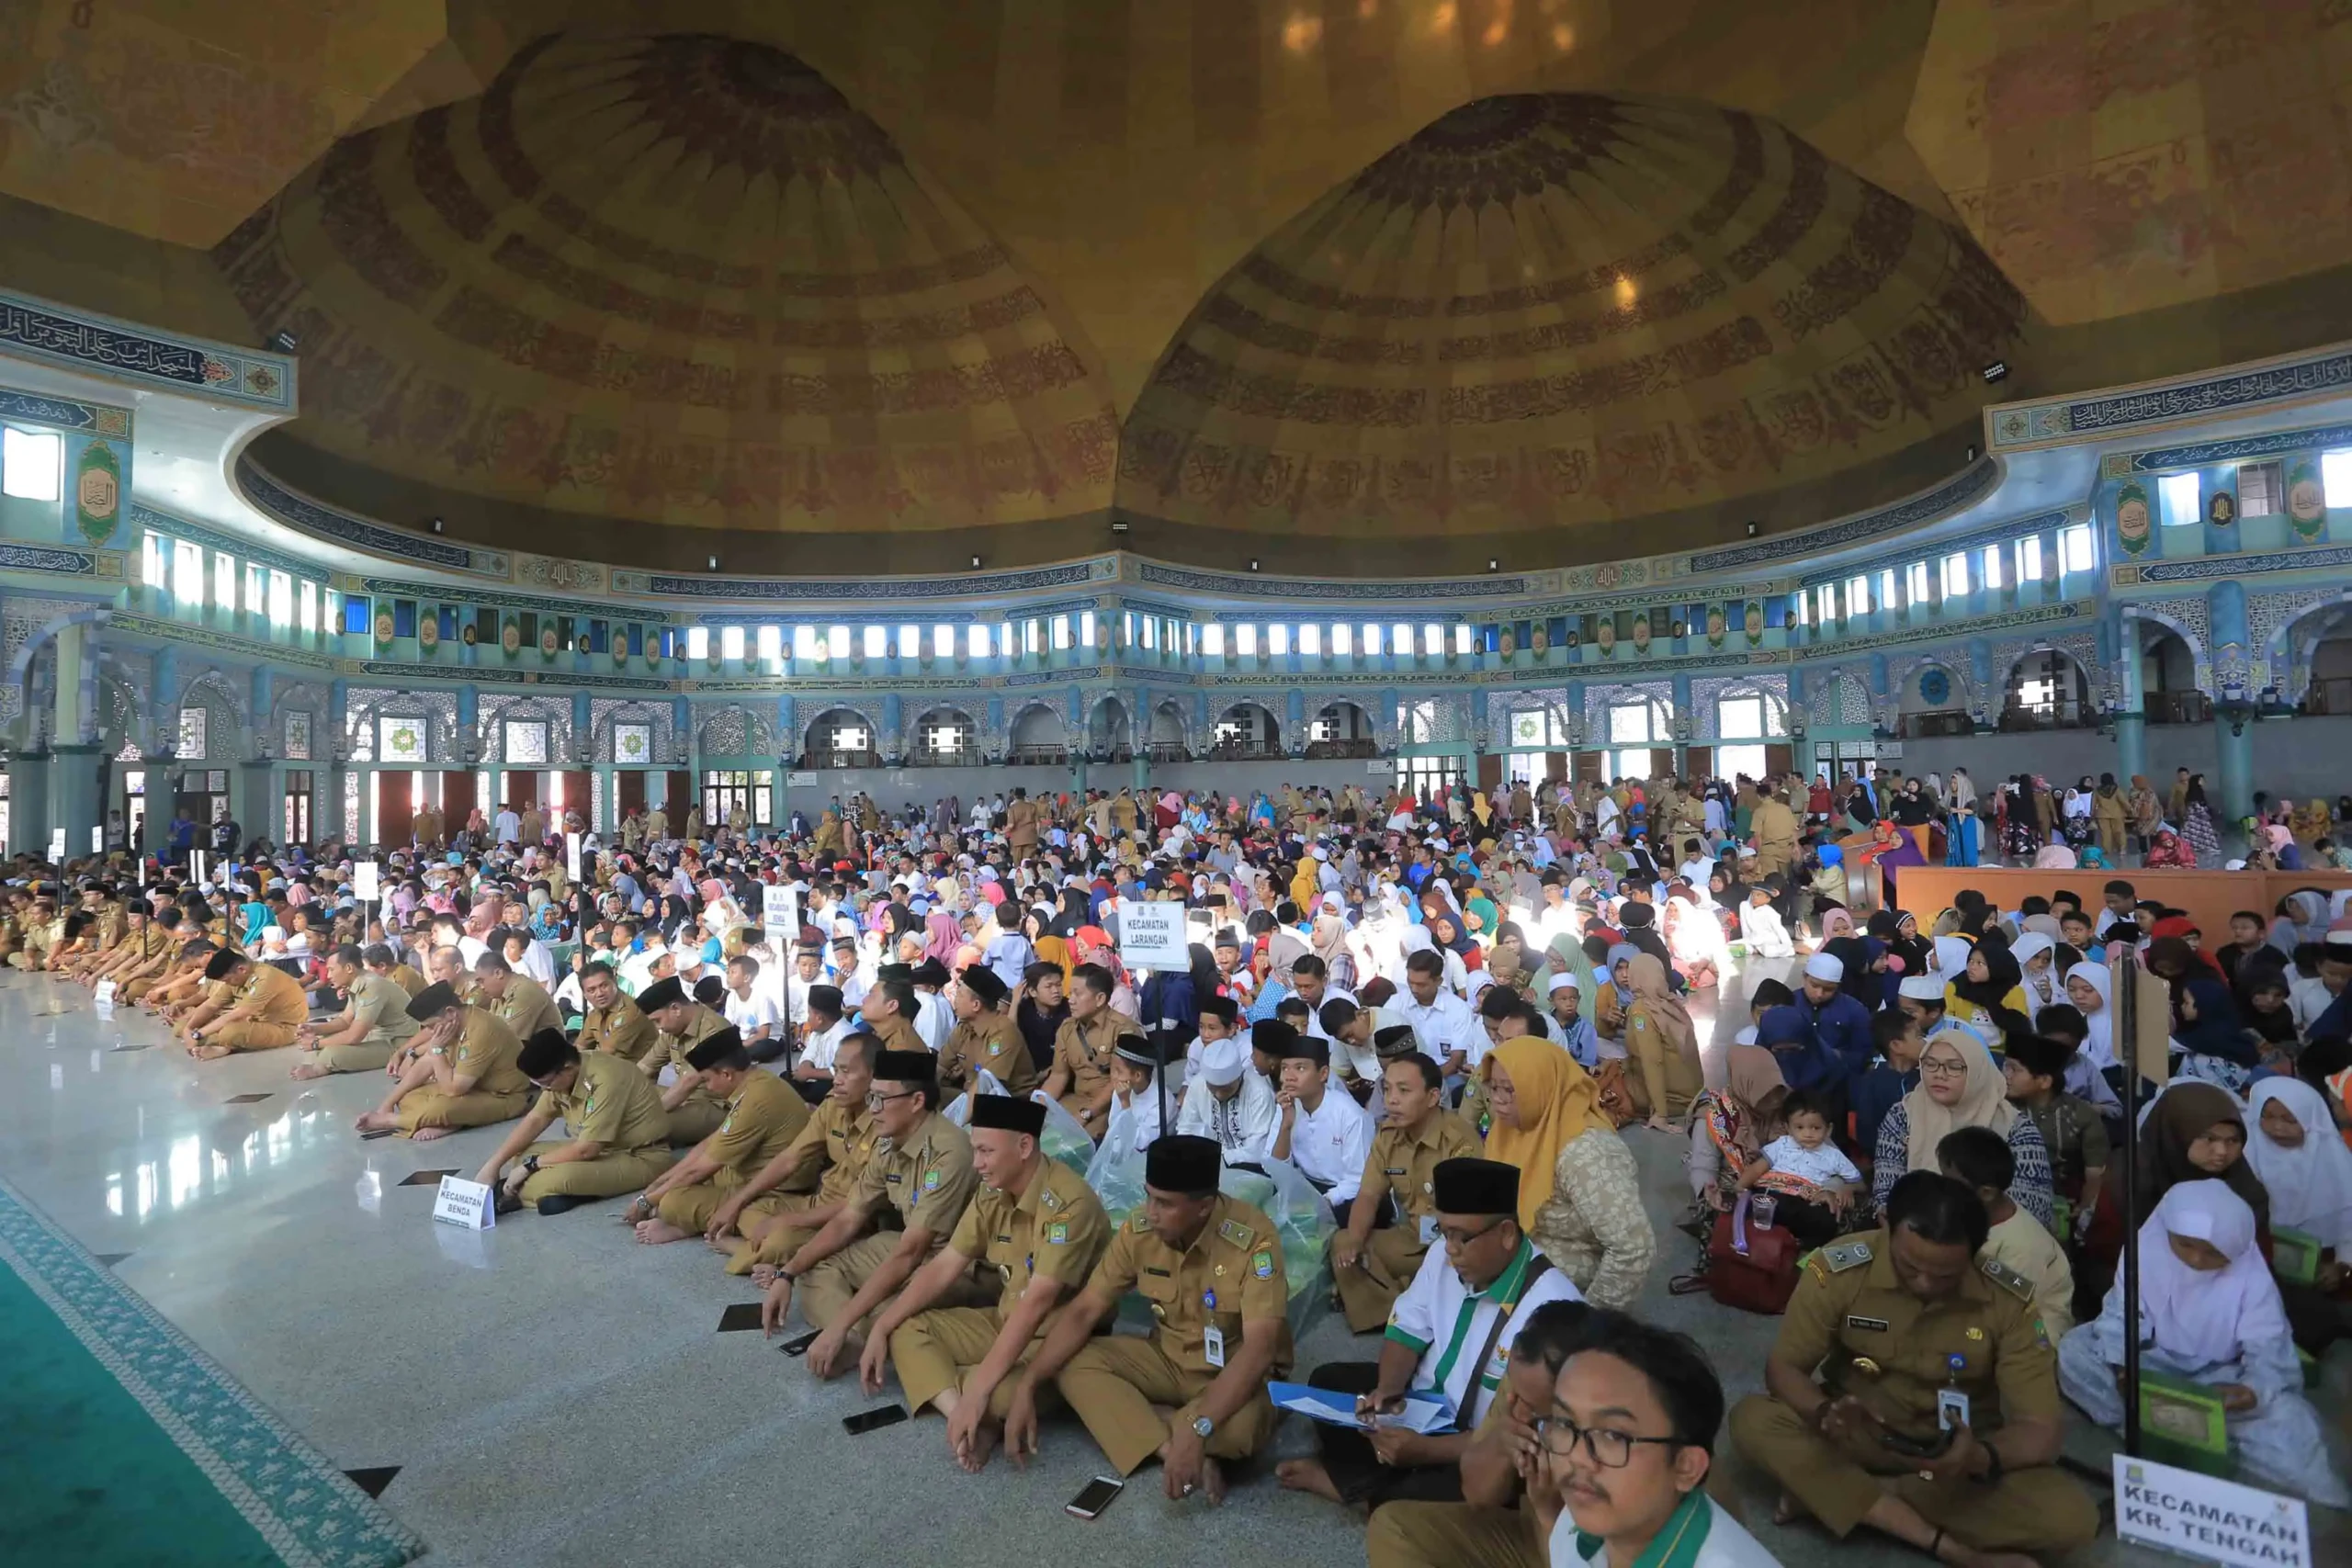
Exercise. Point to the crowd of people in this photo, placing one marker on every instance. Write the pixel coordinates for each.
(936, 1116)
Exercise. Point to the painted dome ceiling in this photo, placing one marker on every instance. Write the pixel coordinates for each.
(673, 279)
(1566, 310)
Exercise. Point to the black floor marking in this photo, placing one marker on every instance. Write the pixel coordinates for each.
(738, 1317)
(246, 1098)
(373, 1481)
(424, 1177)
(111, 1258)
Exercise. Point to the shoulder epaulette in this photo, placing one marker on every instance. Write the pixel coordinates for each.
(1236, 1232)
(1838, 1257)
(2009, 1279)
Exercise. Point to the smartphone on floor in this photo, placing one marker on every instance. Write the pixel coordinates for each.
(799, 1345)
(867, 1421)
(1100, 1493)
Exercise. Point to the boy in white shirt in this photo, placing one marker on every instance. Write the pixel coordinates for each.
(753, 1010)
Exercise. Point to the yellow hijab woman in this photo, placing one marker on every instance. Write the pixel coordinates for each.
(1553, 1102)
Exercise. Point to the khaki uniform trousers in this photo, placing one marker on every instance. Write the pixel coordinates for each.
(371, 1055)
(779, 1241)
(694, 1122)
(2036, 1511)
(1115, 1381)
(606, 1176)
(1453, 1535)
(937, 1349)
(1390, 1259)
(826, 1289)
(252, 1036)
(691, 1207)
(432, 1107)
(131, 990)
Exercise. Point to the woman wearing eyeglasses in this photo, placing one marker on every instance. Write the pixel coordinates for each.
(1628, 1446)
(1960, 1086)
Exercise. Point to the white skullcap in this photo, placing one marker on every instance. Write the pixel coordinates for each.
(1825, 966)
(1221, 1061)
(1922, 989)
(1565, 980)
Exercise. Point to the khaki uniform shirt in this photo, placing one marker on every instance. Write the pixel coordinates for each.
(275, 996)
(897, 1034)
(991, 1042)
(762, 1118)
(621, 1030)
(1054, 1226)
(1404, 1166)
(1873, 1339)
(485, 1051)
(928, 1178)
(527, 1008)
(837, 1141)
(1231, 1274)
(670, 1050)
(381, 1008)
(1085, 1050)
(610, 1104)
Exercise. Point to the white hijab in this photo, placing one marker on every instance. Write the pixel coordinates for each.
(2310, 1185)
(2099, 1048)
(1951, 957)
(2200, 1318)
(2025, 950)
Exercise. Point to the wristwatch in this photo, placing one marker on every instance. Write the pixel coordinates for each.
(1203, 1426)
(531, 1165)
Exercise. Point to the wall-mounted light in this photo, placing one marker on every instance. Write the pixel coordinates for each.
(1118, 526)
(437, 524)
(1996, 371)
(285, 343)
(975, 563)
(1493, 564)
(1751, 530)
(1972, 452)
(714, 563)
(1254, 563)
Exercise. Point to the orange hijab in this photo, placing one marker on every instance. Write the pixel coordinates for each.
(1556, 1103)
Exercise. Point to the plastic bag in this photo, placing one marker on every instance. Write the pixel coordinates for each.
(1064, 1138)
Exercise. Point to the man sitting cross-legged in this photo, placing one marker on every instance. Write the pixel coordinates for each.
(620, 1134)
(460, 1071)
(372, 1025)
(1036, 1223)
(795, 1195)
(760, 1115)
(257, 1009)
(922, 1168)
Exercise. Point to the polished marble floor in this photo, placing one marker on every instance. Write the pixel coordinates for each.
(552, 1393)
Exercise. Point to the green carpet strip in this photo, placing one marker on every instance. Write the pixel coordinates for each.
(124, 1444)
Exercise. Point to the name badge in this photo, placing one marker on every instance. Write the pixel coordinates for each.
(1214, 1345)
(1951, 1408)
(1427, 1229)
(1878, 1323)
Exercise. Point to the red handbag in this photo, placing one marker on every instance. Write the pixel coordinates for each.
(1753, 1267)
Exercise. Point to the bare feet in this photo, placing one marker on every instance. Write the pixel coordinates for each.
(658, 1233)
(1213, 1480)
(1307, 1475)
(426, 1134)
(308, 1072)
(210, 1052)
(723, 1244)
(762, 1275)
(1786, 1510)
(376, 1121)
(982, 1448)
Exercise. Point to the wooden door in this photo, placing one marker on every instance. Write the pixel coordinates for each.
(522, 789)
(1556, 766)
(1490, 773)
(1588, 767)
(632, 781)
(1779, 758)
(1661, 761)
(680, 798)
(580, 795)
(1699, 761)
(394, 790)
(458, 798)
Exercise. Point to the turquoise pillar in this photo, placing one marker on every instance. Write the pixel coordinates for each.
(163, 739)
(333, 750)
(1139, 740)
(2226, 605)
(2131, 715)
(1686, 724)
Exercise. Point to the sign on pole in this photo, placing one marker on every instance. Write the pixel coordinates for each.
(1151, 936)
(57, 845)
(2198, 1516)
(99, 841)
(572, 856)
(464, 1204)
(780, 917)
(367, 882)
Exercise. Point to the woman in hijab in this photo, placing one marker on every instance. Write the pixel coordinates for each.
(2219, 1048)
(2302, 917)
(2035, 957)
(1580, 1193)
(1730, 1127)
(2019, 835)
(1960, 1086)
(2191, 1132)
(1662, 1046)
(2307, 1171)
(2210, 1313)
(1864, 979)
(2169, 851)
(2196, 826)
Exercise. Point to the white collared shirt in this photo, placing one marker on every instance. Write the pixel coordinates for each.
(1444, 1026)
(1328, 1144)
(1440, 1317)
(934, 1019)
(818, 1050)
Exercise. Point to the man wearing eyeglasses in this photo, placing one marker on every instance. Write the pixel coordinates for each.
(1936, 1418)
(922, 1168)
(1447, 1338)
(620, 1135)
(759, 1117)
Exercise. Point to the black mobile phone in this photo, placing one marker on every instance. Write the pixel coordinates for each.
(867, 1421)
(1099, 1495)
(799, 1347)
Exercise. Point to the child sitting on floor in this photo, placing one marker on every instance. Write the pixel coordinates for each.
(2071, 1130)
(1812, 1182)
(1980, 1159)
(2210, 1313)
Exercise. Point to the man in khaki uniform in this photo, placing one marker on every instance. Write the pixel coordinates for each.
(522, 1001)
(889, 1010)
(1370, 1266)
(684, 1023)
(1896, 1321)
(261, 1010)
(141, 942)
(613, 1025)
(373, 1024)
(1212, 1269)
(657, 825)
(1084, 1047)
(800, 1191)
(381, 959)
(921, 1168)
(763, 1116)
(1021, 825)
(41, 929)
(1774, 828)
(620, 1135)
(985, 1037)
(460, 1071)
(1039, 1228)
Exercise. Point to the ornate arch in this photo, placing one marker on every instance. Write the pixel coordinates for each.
(2276, 624)
(1963, 683)
(733, 729)
(494, 711)
(603, 713)
(1840, 697)
(835, 704)
(436, 710)
(2191, 620)
(31, 628)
